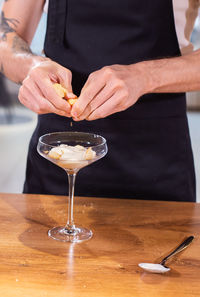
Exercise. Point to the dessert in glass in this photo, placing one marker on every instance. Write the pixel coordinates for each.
(71, 151)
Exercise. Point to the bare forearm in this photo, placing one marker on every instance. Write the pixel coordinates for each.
(180, 74)
(16, 58)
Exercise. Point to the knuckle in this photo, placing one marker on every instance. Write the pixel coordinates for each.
(88, 94)
(108, 71)
(22, 93)
(123, 107)
(34, 72)
(81, 118)
(117, 83)
(97, 115)
(20, 97)
(125, 93)
(37, 73)
(92, 106)
(121, 84)
(69, 75)
(42, 107)
(27, 85)
(91, 77)
(61, 113)
(37, 109)
(26, 82)
(123, 104)
(21, 89)
(64, 73)
(69, 72)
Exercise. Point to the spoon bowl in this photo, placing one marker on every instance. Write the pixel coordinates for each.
(154, 268)
(160, 267)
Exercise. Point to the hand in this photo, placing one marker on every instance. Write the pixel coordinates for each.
(37, 92)
(109, 90)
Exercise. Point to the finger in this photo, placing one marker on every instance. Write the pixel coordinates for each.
(27, 99)
(114, 104)
(56, 80)
(65, 79)
(94, 86)
(35, 101)
(53, 78)
(100, 99)
(47, 90)
(44, 83)
(31, 101)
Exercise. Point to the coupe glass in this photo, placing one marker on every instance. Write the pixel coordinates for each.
(70, 232)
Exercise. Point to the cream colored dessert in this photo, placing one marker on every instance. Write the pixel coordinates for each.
(71, 157)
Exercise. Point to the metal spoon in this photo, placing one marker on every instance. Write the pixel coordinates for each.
(161, 268)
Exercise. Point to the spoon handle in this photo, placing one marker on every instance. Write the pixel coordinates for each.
(181, 247)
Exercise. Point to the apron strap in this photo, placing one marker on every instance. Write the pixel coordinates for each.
(57, 12)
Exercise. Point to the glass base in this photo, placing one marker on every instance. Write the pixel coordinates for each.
(78, 234)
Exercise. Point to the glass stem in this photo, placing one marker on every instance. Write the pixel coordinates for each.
(71, 180)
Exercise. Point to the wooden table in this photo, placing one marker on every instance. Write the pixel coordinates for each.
(126, 232)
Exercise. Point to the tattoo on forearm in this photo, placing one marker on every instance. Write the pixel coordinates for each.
(19, 45)
(7, 25)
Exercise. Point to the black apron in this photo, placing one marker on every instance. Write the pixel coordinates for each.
(150, 154)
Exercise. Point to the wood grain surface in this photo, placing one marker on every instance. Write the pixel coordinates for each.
(126, 232)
